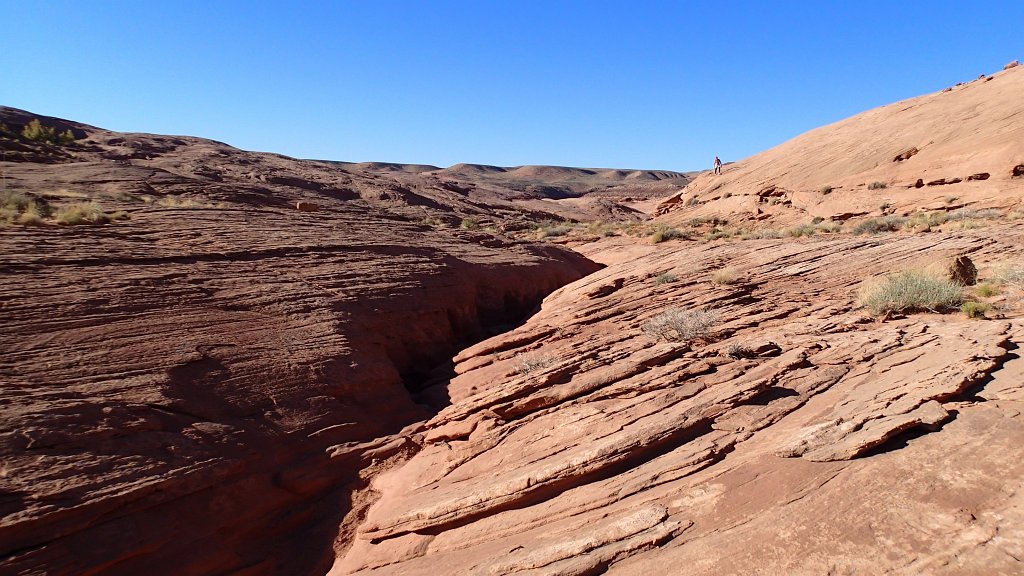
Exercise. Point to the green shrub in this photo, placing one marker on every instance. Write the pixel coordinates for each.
(680, 325)
(986, 290)
(975, 309)
(883, 224)
(877, 186)
(666, 233)
(36, 131)
(470, 223)
(81, 213)
(910, 291)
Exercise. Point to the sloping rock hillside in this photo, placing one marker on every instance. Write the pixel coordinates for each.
(203, 387)
(797, 433)
(788, 440)
(933, 152)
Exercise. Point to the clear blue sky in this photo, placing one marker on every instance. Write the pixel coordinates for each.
(605, 84)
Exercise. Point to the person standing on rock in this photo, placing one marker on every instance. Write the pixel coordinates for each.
(718, 165)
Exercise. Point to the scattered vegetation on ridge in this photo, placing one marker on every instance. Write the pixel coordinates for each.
(38, 132)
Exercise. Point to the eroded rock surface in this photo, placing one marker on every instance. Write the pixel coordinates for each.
(205, 388)
(632, 455)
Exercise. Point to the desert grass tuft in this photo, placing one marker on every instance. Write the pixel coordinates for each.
(725, 276)
(910, 291)
(81, 213)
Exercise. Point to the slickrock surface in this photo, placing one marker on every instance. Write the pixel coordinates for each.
(834, 443)
(932, 152)
(254, 373)
(205, 388)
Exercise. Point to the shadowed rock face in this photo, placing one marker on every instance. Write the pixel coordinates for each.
(204, 389)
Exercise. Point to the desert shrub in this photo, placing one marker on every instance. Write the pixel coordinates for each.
(601, 228)
(800, 230)
(925, 221)
(986, 290)
(81, 213)
(36, 131)
(179, 202)
(1008, 274)
(975, 309)
(676, 324)
(830, 227)
(527, 363)
(877, 186)
(715, 234)
(725, 276)
(737, 351)
(706, 220)
(18, 207)
(826, 190)
(692, 201)
(910, 291)
(883, 224)
(665, 278)
(470, 223)
(761, 234)
(975, 213)
(552, 230)
(664, 233)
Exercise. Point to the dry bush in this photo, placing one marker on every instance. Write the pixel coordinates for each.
(1007, 273)
(910, 291)
(20, 208)
(553, 229)
(877, 186)
(800, 230)
(883, 224)
(531, 362)
(664, 233)
(761, 234)
(676, 324)
(81, 213)
(665, 278)
(725, 276)
(179, 202)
